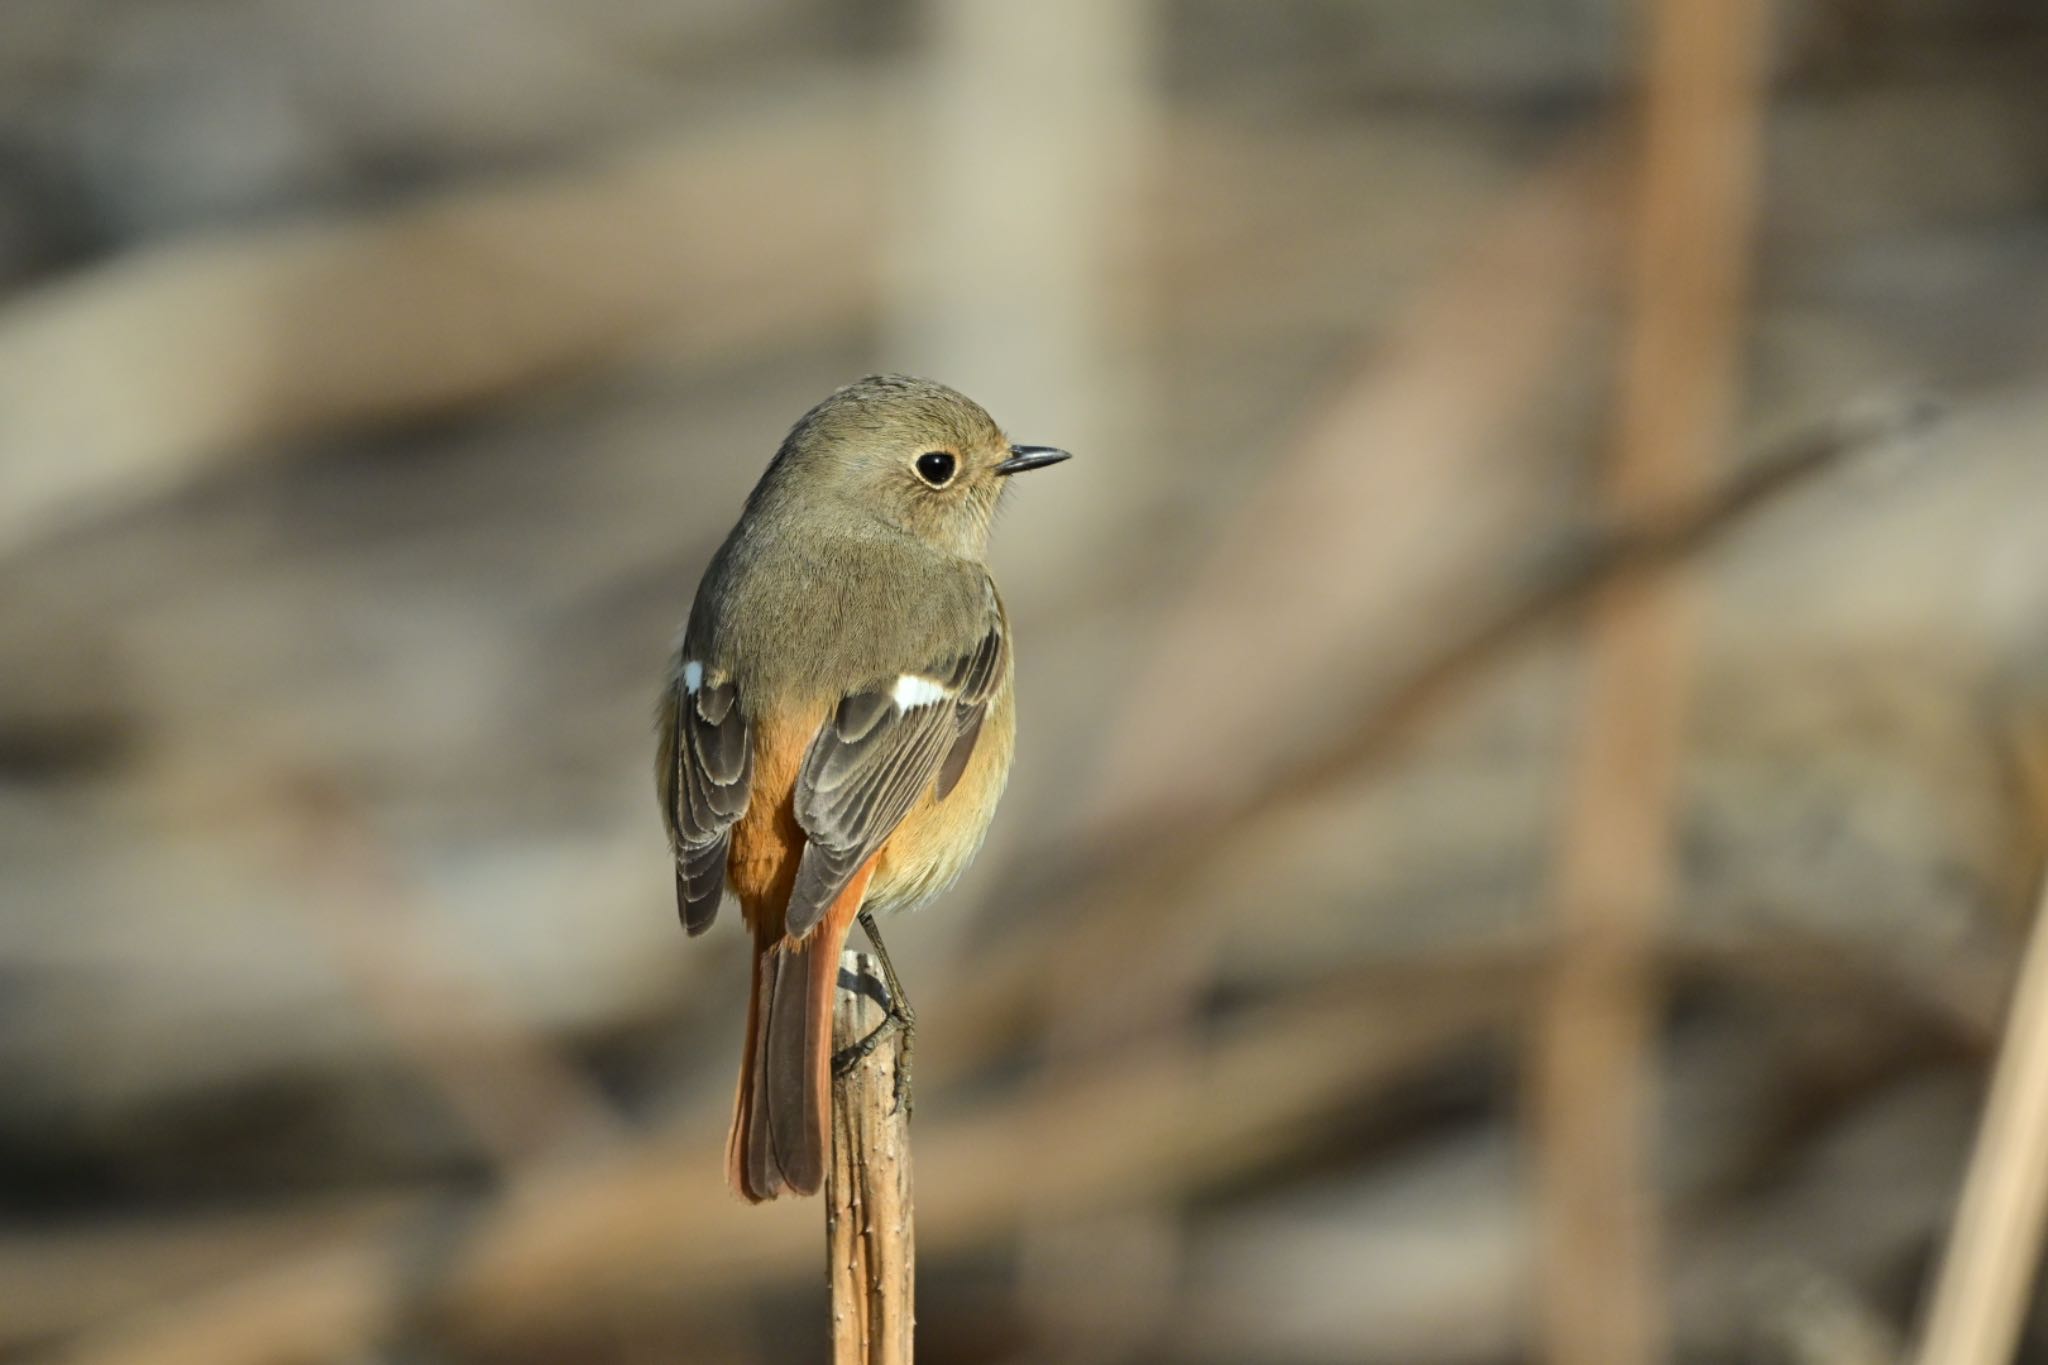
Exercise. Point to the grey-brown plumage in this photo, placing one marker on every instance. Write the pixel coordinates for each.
(838, 722)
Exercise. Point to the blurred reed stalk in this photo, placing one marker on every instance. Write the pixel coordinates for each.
(131, 379)
(650, 1224)
(1994, 1251)
(870, 1214)
(522, 1101)
(1594, 1033)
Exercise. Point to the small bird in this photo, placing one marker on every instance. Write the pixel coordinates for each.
(838, 724)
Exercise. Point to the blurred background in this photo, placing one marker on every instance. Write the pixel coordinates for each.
(1534, 758)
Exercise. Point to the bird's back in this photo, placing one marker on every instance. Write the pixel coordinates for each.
(790, 617)
(794, 616)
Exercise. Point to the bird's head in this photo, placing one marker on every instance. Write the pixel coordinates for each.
(912, 454)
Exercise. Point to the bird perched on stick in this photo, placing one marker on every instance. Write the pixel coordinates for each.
(838, 724)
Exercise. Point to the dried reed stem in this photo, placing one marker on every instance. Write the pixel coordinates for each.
(1592, 1092)
(1994, 1250)
(869, 1224)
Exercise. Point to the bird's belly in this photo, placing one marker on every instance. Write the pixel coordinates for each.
(938, 839)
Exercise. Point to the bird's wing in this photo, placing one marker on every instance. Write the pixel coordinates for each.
(883, 746)
(704, 768)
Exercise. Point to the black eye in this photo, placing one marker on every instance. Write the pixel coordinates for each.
(936, 467)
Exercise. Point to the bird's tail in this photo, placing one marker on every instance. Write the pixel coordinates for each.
(779, 1123)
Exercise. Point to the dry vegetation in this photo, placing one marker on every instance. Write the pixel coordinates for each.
(375, 379)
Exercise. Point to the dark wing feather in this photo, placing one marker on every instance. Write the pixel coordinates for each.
(983, 673)
(705, 767)
(872, 760)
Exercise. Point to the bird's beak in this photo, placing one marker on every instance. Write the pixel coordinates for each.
(1031, 457)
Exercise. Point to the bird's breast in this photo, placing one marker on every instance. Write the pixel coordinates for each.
(938, 839)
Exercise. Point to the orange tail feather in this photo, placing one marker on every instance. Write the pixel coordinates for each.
(780, 1122)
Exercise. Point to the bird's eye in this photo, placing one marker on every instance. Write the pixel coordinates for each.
(936, 467)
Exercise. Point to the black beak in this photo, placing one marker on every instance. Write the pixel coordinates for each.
(1031, 457)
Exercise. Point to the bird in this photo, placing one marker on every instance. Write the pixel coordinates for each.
(837, 726)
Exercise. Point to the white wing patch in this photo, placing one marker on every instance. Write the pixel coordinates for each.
(693, 677)
(912, 691)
